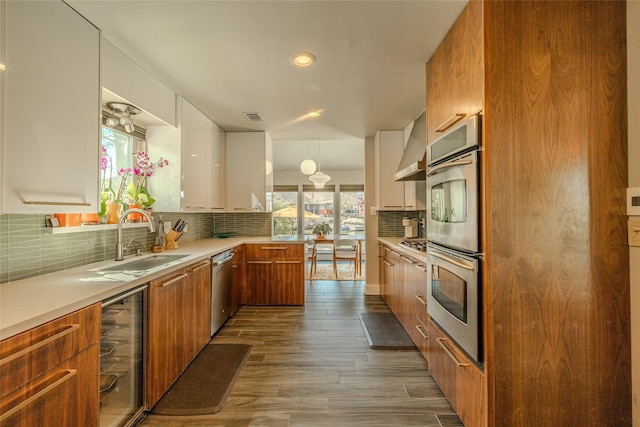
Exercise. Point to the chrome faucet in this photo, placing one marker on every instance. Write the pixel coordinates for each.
(119, 245)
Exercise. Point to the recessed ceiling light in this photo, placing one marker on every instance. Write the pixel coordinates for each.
(313, 114)
(303, 59)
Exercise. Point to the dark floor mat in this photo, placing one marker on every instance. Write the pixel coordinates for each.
(384, 332)
(205, 385)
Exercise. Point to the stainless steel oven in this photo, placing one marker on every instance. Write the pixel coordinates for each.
(453, 296)
(453, 202)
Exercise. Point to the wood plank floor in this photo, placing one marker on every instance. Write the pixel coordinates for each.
(312, 366)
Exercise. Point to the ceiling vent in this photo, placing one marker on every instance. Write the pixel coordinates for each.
(253, 117)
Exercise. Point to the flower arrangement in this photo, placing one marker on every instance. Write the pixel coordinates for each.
(321, 229)
(136, 192)
(106, 194)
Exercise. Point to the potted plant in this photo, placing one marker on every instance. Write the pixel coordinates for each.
(136, 194)
(322, 229)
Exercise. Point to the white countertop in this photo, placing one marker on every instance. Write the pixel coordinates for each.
(395, 242)
(27, 303)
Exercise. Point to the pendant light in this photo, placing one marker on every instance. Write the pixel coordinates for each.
(319, 178)
(308, 166)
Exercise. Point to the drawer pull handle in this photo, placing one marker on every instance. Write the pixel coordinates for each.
(66, 331)
(70, 373)
(461, 264)
(274, 248)
(421, 331)
(37, 202)
(421, 299)
(201, 266)
(450, 122)
(409, 260)
(196, 207)
(387, 263)
(421, 267)
(258, 262)
(288, 262)
(451, 356)
(172, 281)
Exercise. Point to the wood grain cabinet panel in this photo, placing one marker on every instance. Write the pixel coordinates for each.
(198, 308)
(237, 297)
(455, 73)
(165, 353)
(274, 274)
(555, 271)
(53, 370)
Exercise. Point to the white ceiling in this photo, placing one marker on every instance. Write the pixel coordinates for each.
(230, 57)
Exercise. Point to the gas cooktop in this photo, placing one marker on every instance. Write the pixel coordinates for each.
(416, 243)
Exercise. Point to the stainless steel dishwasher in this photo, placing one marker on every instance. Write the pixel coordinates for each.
(221, 282)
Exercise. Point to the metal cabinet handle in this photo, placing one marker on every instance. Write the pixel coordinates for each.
(392, 206)
(201, 266)
(451, 356)
(421, 299)
(387, 263)
(70, 373)
(37, 202)
(450, 122)
(453, 261)
(196, 207)
(274, 248)
(421, 331)
(288, 262)
(66, 331)
(259, 262)
(172, 281)
(407, 259)
(420, 267)
(435, 169)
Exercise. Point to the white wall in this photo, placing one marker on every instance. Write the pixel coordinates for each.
(372, 283)
(633, 82)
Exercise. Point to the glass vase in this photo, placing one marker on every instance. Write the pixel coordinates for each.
(113, 212)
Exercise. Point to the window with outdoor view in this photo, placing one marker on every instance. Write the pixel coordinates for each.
(352, 210)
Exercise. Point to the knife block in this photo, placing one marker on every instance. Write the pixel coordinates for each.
(171, 237)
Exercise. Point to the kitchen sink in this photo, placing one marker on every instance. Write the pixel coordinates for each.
(142, 264)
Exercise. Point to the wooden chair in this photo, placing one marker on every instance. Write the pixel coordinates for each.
(312, 256)
(345, 249)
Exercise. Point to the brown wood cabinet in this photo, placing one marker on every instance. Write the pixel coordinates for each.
(274, 274)
(455, 74)
(166, 329)
(54, 373)
(459, 379)
(179, 325)
(415, 297)
(198, 308)
(555, 271)
(238, 278)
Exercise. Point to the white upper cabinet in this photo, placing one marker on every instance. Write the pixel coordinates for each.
(194, 180)
(390, 194)
(126, 79)
(202, 162)
(249, 171)
(51, 109)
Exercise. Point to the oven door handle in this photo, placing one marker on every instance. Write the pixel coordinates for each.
(434, 170)
(461, 264)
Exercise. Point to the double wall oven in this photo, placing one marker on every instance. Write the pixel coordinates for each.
(453, 234)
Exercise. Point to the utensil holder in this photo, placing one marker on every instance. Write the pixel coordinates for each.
(172, 235)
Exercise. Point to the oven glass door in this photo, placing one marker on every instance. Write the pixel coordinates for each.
(452, 197)
(453, 296)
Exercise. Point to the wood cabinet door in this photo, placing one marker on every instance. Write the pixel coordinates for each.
(165, 354)
(258, 282)
(237, 289)
(197, 308)
(387, 274)
(288, 286)
(455, 73)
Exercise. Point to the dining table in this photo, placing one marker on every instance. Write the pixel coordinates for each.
(328, 239)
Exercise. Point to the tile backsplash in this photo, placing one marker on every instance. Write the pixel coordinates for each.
(26, 250)
(390, 222)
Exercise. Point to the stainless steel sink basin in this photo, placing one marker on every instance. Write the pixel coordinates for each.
(143, 264)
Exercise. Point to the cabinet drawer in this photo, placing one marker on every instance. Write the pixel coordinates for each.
(459, 379)
(31, 353)
(274, 250)
(66, 395)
